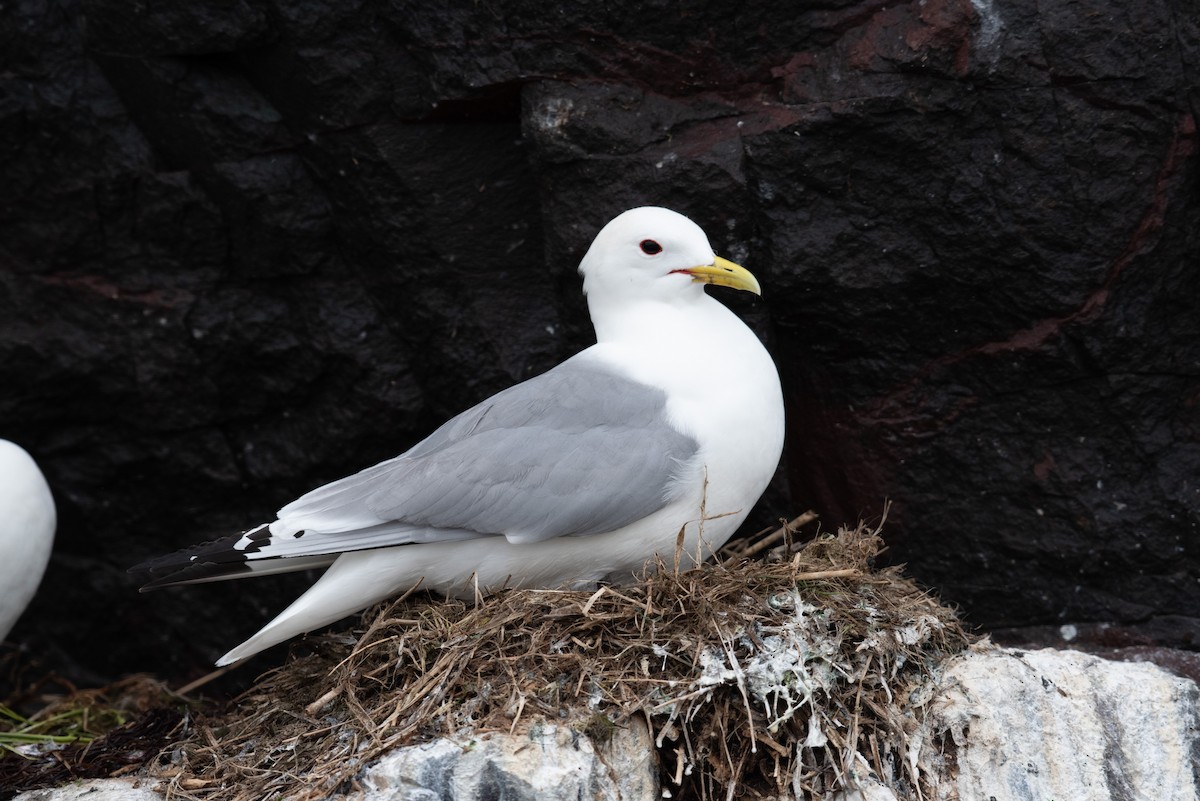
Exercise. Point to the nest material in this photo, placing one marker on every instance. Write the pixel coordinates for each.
(84, 734)
(803, 672)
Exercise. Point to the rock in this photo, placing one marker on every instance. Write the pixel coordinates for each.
(250, 248)
(544, 762)
(1013, 724)
(1000, 724)
(95, 790)
(866, 791)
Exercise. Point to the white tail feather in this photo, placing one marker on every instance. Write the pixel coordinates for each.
(352, 583)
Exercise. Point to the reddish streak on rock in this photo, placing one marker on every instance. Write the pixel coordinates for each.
(947, 27)
(1045, 467)
(158, 298)
(1182, 147)
(700, 137)
(926, 29)
(770, 117)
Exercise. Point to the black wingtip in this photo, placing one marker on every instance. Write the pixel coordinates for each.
(237, 556)
(210, 561)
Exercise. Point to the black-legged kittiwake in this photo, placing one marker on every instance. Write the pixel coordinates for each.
(672, 421)
(27, 522)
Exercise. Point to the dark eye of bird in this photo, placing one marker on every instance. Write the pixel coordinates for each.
(650, 247)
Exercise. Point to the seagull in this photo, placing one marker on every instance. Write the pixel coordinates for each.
(654, 442)
(27, 523)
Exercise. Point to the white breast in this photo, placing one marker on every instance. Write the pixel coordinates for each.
(722, 388)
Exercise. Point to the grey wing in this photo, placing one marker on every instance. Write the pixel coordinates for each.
(575, 451)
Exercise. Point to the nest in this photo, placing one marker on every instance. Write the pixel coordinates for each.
(778, 670)
(802, 672)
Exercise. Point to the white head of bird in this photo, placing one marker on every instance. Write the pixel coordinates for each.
(652, 254)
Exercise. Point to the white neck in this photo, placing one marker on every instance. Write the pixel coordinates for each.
(642, 319)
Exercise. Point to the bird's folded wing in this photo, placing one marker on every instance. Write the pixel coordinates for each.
(576, 451)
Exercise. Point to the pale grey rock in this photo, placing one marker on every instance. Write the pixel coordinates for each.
(545, 762)
(97, 790)
(1001, 725)
(868, 790)
(1011, 724)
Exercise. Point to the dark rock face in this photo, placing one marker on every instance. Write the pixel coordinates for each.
(250, 247)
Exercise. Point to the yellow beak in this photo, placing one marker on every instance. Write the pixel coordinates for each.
(725, 273)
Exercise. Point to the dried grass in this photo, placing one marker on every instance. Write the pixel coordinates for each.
(81, 734)
(808, 662)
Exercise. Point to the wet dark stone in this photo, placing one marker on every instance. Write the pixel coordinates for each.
(253, 247)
